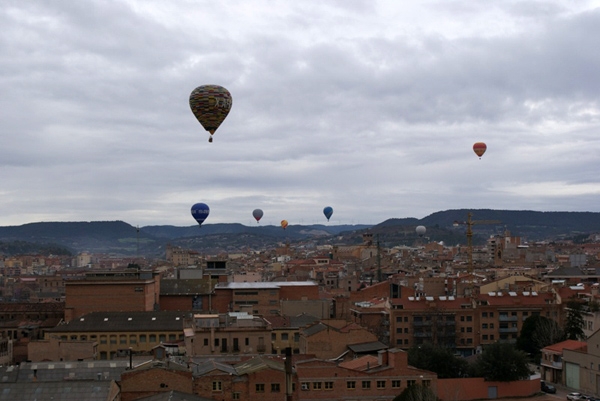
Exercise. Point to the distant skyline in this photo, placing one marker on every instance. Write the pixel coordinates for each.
(370, 107)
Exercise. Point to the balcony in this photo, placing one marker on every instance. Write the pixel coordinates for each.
(503, 318)
(508, 330)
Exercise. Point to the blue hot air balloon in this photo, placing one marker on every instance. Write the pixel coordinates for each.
(328, 211)
(200, 212)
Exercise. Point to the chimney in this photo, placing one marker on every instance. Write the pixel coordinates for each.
(382, 357)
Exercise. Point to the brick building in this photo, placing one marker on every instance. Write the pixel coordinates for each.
(223, 334)
(112, 291)
(261, 298)
(117, 332)
(330, 338)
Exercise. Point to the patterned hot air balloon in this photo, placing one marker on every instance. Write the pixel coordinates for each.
(284, 224)
(479, 148)
(200, 212)
(257, 214)
(210, 104)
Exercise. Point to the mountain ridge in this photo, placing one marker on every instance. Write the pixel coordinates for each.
(119, 237)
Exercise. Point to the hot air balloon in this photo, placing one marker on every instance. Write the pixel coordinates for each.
(479, 148)
(328, 211)
(258, 214)
(210, 104)
(284, 224)
(420, 230)
(200, 212)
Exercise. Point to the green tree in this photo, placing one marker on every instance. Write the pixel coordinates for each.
(438, 359)
(574, 323)
(538, 332)
(416, 392)
(501, 362)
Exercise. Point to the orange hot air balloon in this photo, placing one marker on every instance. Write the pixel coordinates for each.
(210, 104)
(284, 224)
(479, 148)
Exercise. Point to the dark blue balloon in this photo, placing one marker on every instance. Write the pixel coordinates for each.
(200, 212)
(328, 211)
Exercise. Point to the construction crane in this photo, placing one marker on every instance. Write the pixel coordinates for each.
(470, 223)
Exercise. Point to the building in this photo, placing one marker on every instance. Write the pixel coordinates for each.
(227, 333)
(581, 366)
(119, 332)
(330, 338)
(261, 298)
(551, 363)
(112, 291)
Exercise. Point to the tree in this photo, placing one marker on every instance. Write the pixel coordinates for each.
(501, 362)
(438, 359)
(538, 332)
(416, 392)
(574, 323)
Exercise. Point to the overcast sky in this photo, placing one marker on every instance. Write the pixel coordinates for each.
(371, 107)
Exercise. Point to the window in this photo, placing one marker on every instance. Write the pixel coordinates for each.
(491, 325)
(217, 386)
(380, 383)
(305, 386)
(132, 339)
(426, 383)
(485, 337)
(152, 338)
(351, 385)
(317, 385)
(491, 314)
(172, 337)
(484, 326)
(102, 339)
(469, 329)
(275, 387)
(216, 342)
(405, 330)
(398, 319)
(296, 337)
(273, 336)
(396, 383)
(469, 318)
(142, 338)
(411, 383)
(462, 318)
(484, 314)
(284, 336)
(366, 384)
(259, 387)
(206, 342)
(235, 396)
(328, 385)
(247, 341)
(113, 339)
(162, 338)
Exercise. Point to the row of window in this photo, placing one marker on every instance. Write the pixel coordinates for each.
(328, 385)
(352, 385)
(124, 339)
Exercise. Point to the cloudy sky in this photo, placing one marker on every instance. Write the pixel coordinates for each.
(371, 107)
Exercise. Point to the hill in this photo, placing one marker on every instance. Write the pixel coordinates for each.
(118, 237)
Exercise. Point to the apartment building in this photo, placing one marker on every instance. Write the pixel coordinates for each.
(467, 323)
(229, 333)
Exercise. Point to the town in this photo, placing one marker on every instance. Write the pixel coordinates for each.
(332, 322)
